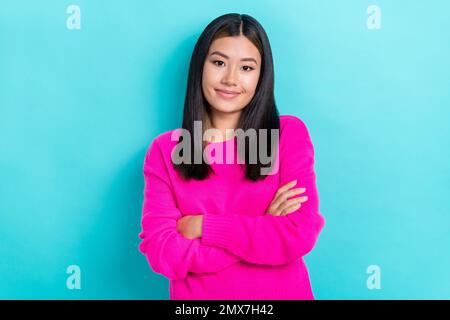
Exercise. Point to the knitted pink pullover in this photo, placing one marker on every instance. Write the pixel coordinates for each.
(243, 253)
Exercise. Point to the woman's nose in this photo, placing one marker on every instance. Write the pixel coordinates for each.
(230, 77)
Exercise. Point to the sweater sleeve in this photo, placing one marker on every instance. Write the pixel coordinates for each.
(268, 239)
(167, 251)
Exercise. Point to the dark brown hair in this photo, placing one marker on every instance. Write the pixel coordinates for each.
(260, 113)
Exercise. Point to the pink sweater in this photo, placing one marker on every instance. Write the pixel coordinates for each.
(243, 253)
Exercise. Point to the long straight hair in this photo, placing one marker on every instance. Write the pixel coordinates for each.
(260, 113)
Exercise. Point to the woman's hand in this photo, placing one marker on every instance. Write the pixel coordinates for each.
(190, 226)
(281, 205)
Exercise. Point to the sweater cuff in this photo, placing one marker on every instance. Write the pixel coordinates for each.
(217, 230)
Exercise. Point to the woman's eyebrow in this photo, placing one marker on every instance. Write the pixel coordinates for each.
(226, 57)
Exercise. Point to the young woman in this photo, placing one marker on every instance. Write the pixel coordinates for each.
(225, 230)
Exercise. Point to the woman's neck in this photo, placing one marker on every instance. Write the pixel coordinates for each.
(222, 122)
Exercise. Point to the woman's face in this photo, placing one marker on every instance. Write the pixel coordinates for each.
(232, 64)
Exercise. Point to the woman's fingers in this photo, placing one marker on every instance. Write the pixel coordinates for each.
(290, 209)
(292, 201)
(285, 187)
(292, 205)
(287, 194)
(281, 202)
(287, 206)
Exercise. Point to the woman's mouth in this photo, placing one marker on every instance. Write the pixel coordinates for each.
(227, 94)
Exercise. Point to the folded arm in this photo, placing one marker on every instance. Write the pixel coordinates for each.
(269, 239)
(166, 250)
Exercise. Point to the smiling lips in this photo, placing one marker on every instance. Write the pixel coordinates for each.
(227, 94)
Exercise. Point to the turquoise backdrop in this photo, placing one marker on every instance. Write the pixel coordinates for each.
(79, 108)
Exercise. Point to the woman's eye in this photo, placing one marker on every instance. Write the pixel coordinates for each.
(219, 61)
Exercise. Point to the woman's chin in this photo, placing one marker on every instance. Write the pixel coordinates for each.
(225, 109)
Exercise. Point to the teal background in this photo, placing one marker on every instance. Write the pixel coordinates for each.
(78, 109)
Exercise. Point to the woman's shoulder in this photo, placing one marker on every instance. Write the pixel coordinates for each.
(168, 135)
(164, 139)
(290, 124)
(294, 137)
(162, 143)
